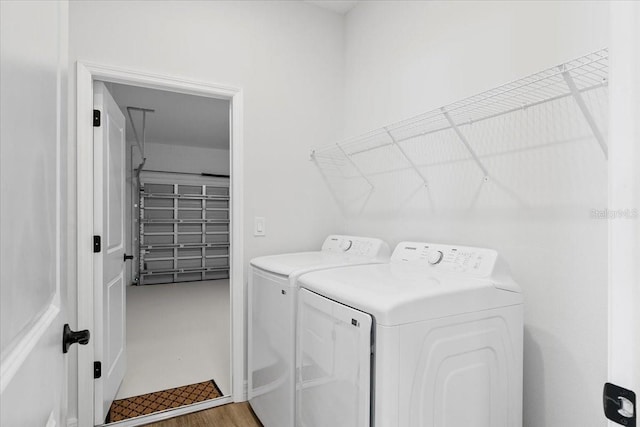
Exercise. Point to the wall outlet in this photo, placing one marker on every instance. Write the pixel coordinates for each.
(260, 226)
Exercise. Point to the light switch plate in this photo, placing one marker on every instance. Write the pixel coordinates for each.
(260, 226)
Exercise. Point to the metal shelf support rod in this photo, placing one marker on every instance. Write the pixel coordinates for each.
(406, 157)
(355, 166)
(585, 111)
(464, 141)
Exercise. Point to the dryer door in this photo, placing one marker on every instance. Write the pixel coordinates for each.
(333, 381)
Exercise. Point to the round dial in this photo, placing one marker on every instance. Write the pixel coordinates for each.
(346, 244)
(434, 257)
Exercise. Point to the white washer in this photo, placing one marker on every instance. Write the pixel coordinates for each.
(272, 314)
(431, 339)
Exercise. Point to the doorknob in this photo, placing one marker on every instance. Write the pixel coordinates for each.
(126, 257)
(73, 337)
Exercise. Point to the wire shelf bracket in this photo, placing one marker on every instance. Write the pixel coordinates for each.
(575, 92)
(465, 142)
(406, 157)
(353, 164)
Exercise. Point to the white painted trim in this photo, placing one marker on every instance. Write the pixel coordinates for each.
(161, 416)
(237, 294)
(624, 194)
(86, 74)
(72, 422)
(14, 359)
(84, 192)
(160, 82)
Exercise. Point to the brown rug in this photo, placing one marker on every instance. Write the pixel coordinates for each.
(150, 403)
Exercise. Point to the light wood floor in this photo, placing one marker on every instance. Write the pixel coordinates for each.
(231, 415)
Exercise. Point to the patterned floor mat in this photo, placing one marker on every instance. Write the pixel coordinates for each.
(150, 403)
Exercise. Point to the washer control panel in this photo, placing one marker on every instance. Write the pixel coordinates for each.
(476, 262)
(359, 246)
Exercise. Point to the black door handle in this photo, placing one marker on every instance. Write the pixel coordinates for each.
(73, 337)
(126, 257)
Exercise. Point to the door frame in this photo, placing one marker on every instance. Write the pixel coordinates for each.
(86, 74)
(624, 196)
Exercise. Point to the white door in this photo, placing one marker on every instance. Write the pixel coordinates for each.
(109, 264)
(624, 233)
(333, 361)
(33, 144)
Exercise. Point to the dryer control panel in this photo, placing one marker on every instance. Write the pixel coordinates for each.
(360, 246)
(475, 262)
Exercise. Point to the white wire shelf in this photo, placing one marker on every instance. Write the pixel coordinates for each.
(574, 79)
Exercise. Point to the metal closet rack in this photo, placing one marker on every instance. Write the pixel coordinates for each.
(572, 79)
(184, 232)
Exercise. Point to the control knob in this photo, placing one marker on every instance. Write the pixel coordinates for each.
(345, 245)
(434, 257)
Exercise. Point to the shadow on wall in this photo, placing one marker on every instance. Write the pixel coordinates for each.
(533, 362)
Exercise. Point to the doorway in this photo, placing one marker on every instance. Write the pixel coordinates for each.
(182, 266)
(177, 237)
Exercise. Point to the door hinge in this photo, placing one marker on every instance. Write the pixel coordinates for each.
(97, 244)
(619, 405)
(97, 370)
(96, 118)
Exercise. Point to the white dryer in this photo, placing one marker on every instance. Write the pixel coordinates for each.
(272, 319)
(431, 339)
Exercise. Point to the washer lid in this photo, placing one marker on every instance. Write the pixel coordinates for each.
(302, 262)
(399, 293)
(337, 251)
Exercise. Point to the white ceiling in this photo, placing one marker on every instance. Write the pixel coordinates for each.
(179, 119)
(338, 6)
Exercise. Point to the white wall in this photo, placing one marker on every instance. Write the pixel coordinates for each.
(185, 159)
(288, 59)
(404, 58)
